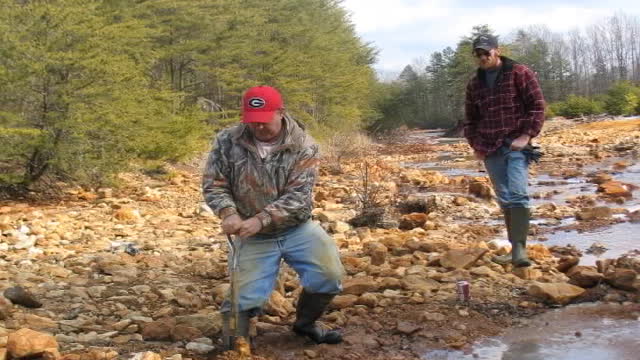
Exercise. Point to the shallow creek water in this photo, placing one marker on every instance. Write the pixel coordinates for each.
(617, 239)
(580, 332)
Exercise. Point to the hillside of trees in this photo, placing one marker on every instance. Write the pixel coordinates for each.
(88, 86)
(583, 72)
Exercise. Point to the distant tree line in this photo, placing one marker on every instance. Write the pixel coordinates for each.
(593, 70)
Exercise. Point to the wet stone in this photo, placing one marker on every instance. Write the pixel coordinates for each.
(595, 213)
(567, 262)
(615, 189)
(624, 279)
(585, 276)
(559, 293)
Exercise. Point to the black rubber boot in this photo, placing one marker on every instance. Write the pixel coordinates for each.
(505, 259)
(310, 308)
(519, 224)
(229, 338)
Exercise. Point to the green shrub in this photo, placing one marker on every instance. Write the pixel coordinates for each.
(622, 99)
(15, 145)
(156, 169)
(576, 106)
(549, 112)
(580, 106)
(555, 109)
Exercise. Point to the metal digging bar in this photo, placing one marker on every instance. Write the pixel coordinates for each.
(231, 330)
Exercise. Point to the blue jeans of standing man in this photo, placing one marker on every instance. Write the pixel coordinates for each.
(509, 173)
(307, 248)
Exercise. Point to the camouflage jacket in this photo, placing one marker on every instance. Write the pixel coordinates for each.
(277, 188)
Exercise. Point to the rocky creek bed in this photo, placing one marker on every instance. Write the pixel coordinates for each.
(139, 272)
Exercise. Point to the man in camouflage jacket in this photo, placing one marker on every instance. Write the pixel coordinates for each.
(259, 180)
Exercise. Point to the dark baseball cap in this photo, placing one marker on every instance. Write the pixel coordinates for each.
(485, 42)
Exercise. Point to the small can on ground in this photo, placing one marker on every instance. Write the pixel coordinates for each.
(462, 287)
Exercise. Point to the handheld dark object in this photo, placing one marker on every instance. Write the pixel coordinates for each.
(533, 153)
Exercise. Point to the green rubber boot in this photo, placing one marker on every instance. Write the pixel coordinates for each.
(519, 224)
(505, 259)
(310, 308)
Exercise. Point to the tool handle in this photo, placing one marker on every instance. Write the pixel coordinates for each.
(233, 252)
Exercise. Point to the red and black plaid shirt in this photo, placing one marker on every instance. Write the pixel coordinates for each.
(513, 107)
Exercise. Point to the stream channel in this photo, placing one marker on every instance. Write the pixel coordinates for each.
(593, 331)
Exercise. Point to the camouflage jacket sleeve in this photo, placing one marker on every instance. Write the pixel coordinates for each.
(215, 180)
(295, 204)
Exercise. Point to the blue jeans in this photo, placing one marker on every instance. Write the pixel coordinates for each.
(509, 172)
(307, 248)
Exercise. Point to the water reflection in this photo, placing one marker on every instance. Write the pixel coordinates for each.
(580, 332)
(618, 239)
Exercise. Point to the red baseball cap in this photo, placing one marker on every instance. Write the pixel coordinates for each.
(259, 104)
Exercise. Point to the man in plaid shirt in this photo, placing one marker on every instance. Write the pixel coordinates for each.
(504, 110)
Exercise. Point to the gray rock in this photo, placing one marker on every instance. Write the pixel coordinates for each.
(200, 348)
(96, 291)
(65, 339)
(141, 289)
(89, 338)
(204, 340)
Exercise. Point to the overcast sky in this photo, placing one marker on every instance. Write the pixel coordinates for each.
(404, 30)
